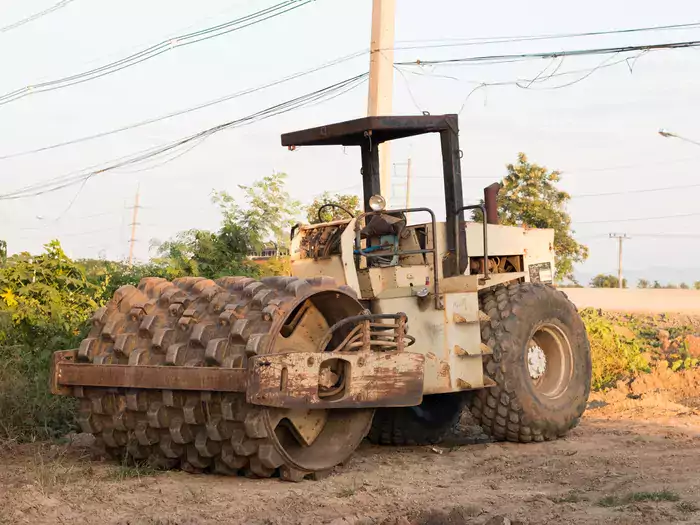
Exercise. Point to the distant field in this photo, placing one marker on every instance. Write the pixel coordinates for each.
(635, 300)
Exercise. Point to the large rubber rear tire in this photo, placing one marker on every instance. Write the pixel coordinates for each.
(527, 321)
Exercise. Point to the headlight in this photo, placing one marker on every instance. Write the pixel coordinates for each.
(377, 202)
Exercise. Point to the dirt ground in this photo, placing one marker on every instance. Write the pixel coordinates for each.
(633, 460)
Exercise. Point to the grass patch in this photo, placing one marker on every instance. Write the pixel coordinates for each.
(663, 495)
(28, 411)
(635, 497)
(128, 471)
(347, 492)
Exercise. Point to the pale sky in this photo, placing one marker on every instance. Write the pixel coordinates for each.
(600, 132)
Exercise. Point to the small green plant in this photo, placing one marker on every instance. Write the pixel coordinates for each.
(682, 360)
(127, 470)
(613, 356)
(634, 497)
(684, 364)
(351, 490)
(662, 495)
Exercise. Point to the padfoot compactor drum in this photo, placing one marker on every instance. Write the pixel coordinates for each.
(388, 330)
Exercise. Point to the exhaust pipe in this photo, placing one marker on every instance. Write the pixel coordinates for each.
(491, 202)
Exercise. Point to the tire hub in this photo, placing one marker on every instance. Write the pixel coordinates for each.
(550, 360)
(536, 361)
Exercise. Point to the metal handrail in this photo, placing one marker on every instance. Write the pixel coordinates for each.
(333, 205)
(481, 207)
(432, 250)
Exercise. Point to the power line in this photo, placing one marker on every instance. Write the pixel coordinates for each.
(326, 93)
(667, 236)
(446, 42)
(626, 192)
(190, 109)
(631, 166)
(237, 95)
(552, 54)
(35, 16)
(588, 72)
(632, 219)
(157, 49)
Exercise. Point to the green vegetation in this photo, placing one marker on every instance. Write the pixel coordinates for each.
(349, 202)
(614, 355)
(626, 345)
(45, 302)
(634, 497)
(607, 281)
(267, 213)
(127, 470)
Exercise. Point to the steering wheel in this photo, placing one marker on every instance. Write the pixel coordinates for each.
(333, 205)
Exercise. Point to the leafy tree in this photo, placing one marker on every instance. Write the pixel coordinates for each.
(268, 212)
(643, 283)
(656, 285)
(671, 286)
(529, 197)
(684, 286)
(607, 281)
(349, 202)
(696, 285)
(204, 253)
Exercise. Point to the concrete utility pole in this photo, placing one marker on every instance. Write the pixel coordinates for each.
(620, 237)
(133, 226)
(381, 78)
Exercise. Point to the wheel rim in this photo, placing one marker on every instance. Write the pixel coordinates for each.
(317, 439)
(549, 359)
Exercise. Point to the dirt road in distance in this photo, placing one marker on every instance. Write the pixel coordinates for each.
(636, 300)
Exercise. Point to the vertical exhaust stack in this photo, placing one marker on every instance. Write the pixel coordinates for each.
(491, 202)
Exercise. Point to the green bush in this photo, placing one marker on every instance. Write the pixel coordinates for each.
(45, 304)
(28, 411)
(614, 356)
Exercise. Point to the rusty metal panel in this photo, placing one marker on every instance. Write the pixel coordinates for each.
(372, 379)
(150, 377)
(63, 356)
